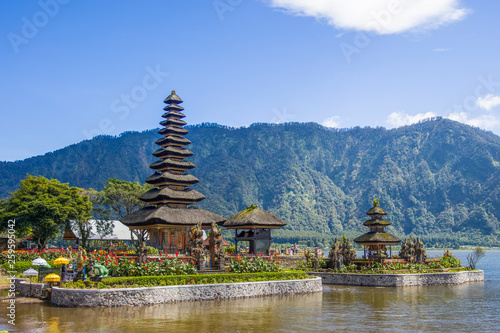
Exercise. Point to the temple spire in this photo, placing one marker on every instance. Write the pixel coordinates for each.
(170, 178)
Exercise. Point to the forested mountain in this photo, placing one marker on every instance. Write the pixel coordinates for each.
(438, 179)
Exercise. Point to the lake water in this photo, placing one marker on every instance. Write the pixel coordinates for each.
(473, 307)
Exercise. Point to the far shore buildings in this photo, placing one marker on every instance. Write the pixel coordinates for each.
(171, 211)
(119, 235)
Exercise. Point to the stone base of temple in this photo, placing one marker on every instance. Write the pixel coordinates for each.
(400, 280)
(174, 294)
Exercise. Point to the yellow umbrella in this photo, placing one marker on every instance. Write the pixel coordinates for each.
(61, 261)
(52, 278)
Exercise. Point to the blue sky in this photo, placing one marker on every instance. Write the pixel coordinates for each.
(72, 69)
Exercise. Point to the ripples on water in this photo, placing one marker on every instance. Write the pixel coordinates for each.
(473, 307)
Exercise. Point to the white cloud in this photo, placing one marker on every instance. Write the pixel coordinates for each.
(380, 16)
(397, 119)
(489, 101)
(331, 122)
(485, 121)
(441, 50)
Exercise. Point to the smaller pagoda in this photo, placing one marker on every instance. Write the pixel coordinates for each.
(376, 240)
(255, 227)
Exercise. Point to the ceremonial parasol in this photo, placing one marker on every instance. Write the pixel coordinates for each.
(39, 262)
(52, 278)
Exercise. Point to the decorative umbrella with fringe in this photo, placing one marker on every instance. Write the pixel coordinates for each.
(52, 278)
(61, 261)
(39, 262)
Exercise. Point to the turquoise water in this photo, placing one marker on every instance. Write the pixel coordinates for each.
(473, 307)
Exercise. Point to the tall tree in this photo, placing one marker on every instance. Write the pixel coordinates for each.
(122, 197)
(44, 206)
(102, 216)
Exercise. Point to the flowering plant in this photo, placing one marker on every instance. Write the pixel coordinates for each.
(244, 264)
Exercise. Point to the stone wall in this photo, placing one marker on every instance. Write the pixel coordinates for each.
(292, 261)
(172, 294)
(36, 289)
(400, 280)
(17, 282)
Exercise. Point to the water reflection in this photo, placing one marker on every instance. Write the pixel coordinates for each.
(464, 308)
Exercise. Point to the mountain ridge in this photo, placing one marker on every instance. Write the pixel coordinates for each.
(439, 179)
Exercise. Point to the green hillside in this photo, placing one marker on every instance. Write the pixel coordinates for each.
(438, 179)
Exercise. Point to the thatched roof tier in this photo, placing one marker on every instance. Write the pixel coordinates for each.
(175, 115)
(172, 121)
(167, 178)
(253, 217)
(172, 164)
(172, 140)
(173, 131)
(376, 222)
(376, 209)
(69, 234)
(173, 107)
(166, 194)
(173, 151)
(171, 217)
(173, 99)
(377, 238)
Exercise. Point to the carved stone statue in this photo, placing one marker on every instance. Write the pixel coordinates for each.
(334, 255)
(143, 253)
(196, 246)
(412, 250)
(420, 253)
(112, 248)
(347, 250)
(80, 261)
(216, 246)
(90, 269)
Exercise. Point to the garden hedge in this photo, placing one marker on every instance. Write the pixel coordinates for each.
(169, 280)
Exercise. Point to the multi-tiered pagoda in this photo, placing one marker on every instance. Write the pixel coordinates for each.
(376, 241)
(170, 213)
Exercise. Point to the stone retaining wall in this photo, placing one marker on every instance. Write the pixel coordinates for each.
(400, 280)
(17, 282)
(172, 294)
(36, 289)
(291, 261)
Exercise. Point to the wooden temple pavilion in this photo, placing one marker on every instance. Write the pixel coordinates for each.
(170, 213)
(255, 227)
(376, 240)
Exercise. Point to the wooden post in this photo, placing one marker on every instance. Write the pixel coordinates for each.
(235, 241)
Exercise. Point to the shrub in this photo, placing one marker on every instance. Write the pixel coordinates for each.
(168, 266)
(475, 256)
(30, 255)
(448, 260)
(18, 267)
(152, 250)
(254, 264)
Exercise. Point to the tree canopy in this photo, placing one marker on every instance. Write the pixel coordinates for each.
(43, 207)
(122, 198)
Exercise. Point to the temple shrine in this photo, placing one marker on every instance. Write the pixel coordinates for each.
(376, 240)
(255, 227)
(171, 211)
